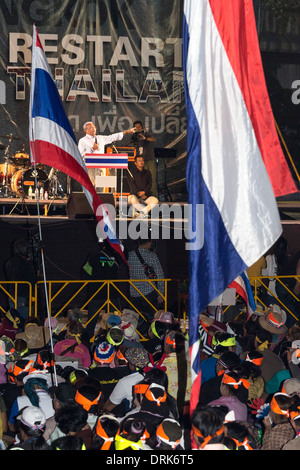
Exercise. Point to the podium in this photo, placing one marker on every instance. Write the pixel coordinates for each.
(108, 161)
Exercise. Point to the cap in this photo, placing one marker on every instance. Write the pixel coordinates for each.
(33, 417)
(104, 353)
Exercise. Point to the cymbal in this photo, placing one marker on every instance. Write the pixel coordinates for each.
(10, 136)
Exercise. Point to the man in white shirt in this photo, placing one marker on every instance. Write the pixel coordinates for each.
(96, 143)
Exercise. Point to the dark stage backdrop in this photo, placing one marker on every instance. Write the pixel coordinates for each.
(114, 61)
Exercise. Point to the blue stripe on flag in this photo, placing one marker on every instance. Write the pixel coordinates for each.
(43, 102)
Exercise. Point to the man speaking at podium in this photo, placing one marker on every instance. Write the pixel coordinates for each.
(96, 143)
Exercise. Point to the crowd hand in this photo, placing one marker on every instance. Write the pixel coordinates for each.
(260, 409)
(160, 299)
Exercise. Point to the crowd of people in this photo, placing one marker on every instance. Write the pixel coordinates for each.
(63, 390)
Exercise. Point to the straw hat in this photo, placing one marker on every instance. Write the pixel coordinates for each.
(274, 320)
(35, 336)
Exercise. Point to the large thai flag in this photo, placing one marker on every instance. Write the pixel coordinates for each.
(52, 141)
(235, 164)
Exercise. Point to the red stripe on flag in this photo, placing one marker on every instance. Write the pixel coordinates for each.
(236, 24)
(51, 155)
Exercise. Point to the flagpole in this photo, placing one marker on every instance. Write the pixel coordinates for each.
(33, 162)
(43, 261)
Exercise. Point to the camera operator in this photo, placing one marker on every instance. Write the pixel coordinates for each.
(143, 141)
(20, 268)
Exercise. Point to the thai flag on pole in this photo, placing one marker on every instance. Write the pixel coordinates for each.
(52, 141)
(235, 164)
(243, 287)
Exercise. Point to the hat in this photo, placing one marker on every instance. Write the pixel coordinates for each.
(115, 336)
(138, 357)
(165, 317)
(291, 386)
(296, 354)
(107, 320)
(53, 323)
(205, 320)
(129, 331)
(7, 349)
(33, 417)
(35, 336)
(274, 320)
(104, 353)
(40, 375)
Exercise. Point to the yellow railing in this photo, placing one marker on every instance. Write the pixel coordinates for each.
(59, 299)
(263, 281)
(5, 288)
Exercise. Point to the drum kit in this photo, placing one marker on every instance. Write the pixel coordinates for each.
(18, 178)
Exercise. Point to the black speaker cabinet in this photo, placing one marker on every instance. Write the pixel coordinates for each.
(79, 208)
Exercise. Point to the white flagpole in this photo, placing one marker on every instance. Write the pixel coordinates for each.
(32, 151)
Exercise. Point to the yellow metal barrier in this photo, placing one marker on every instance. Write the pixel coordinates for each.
(57, 292)
(4, 288)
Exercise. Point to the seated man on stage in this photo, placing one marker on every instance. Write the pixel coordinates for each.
(140, 182)
(96, 143)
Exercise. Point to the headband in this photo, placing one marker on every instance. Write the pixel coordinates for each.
(121, 444)
(120, 355)
(257, 361)
(16, 370)
(272, 320)
(149, 395)
(226, 343)
(140, 388)
(276, 408)
(245, 443)
(85, 402)
(295, 414)
(207, 438)
(100, 431)
(162, 436)
(228, 380)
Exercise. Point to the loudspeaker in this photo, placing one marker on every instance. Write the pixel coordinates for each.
(79, 208)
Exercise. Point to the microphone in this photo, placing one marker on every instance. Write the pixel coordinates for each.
(95, 139)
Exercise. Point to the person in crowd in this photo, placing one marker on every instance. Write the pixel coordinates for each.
(208, 428)
(140, 184)
(31, 423)
(72, 347)
(103, 265)
(143, 141)
(234, 394)
(150, 300)
(137, 359)
(105, 431)
(277, 426)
